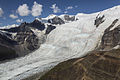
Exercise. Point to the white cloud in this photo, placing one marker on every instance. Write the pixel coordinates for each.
(69, 7)
(19, 20)
(1, 12)
(36, 9)
(55, 8)
(23, 10)
(13, 16)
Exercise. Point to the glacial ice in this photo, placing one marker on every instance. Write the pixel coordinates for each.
(70, 40)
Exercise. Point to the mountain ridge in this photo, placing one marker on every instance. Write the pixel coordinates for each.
(57, 42)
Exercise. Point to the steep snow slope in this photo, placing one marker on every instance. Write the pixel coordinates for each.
(67, 41)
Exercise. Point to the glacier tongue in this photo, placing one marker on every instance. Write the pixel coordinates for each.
(70, 40)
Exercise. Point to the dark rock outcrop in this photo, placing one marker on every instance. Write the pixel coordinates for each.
(23, 42)
(49, 29)
(27, 42)
(99, 20)
(111, 38)
(98, 65)
(37, 24)
(56, 20)
(24, 26)
(6, 52)
(68, 18)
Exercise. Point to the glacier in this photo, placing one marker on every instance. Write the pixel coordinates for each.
(69, 40)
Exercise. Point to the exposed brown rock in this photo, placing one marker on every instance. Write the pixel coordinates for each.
(111, 38)
(98, 65)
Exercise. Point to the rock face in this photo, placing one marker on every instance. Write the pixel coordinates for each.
(98, 65)
(7, 47)
(99, 20)
(62, 19)
(56, 20)
(111, 38)
(69, 18)
(37, 24)
(49, 29)
(21, 40)
(7, 52)
(25, 40)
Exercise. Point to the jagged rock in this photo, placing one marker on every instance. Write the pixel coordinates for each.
(24, 41)
(98, 65)
(7, 40)
(111, 38)
(37, 24)
(56, 20)
(68, 18)
(7, 47)
(27, 42)
(24, 26)
(49, 29)
(99, 20)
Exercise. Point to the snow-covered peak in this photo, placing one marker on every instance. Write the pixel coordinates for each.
(80, 14)
(66, 17)
(39, 19)
(9, 26)
(49, 17)
(108, 12)
(114, 8)
(66, 41)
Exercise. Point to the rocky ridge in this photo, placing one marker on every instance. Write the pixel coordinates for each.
(23, 39)
(68, 41)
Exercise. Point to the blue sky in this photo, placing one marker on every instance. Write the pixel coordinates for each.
(17, 11)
